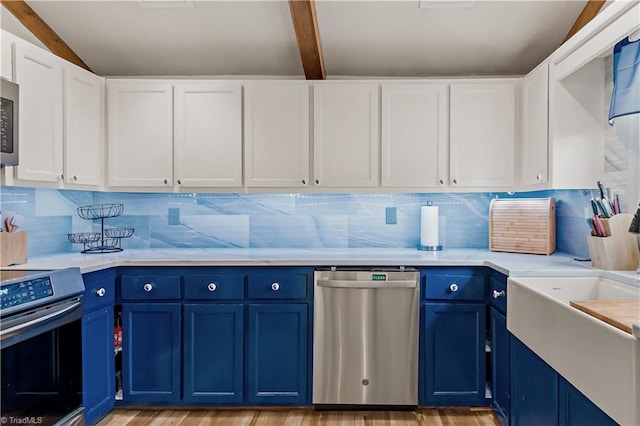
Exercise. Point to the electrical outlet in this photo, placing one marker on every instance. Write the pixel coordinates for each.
(391, 216)
(174, 216)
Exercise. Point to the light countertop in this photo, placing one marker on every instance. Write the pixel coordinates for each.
(512, 264)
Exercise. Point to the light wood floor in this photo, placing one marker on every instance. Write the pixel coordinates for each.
(302, 417)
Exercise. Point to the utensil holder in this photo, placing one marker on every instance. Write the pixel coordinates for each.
(617, 252)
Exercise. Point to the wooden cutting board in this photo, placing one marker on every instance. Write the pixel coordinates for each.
(619, 313)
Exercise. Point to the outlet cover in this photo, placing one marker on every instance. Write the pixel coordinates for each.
(391, 216)
(174, 216)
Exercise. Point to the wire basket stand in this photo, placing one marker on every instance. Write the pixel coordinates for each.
(107, 240)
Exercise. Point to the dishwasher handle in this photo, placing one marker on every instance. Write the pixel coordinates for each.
(367, 284)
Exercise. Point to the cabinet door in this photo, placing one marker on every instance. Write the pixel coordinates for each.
(277, 350)
(151, 352)
(98, 364)
(208, 134)
(577, 410)
(535, 127)
(39, 74)
(500, 365)
(276, 134)
(213, 353)
(6, 55)
(140, 133)
(83, 127)
(482, 134)
(534, 388)
(345, 129)
(454, 352)
(415, 135)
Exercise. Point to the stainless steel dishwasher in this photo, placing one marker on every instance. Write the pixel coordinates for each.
(365, 345)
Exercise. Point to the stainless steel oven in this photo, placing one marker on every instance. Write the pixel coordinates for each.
(41, 343)
(8, 123)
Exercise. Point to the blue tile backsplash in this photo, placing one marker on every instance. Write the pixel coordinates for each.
(279, 220)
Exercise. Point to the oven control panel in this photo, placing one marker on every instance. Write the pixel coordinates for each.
(24, 292)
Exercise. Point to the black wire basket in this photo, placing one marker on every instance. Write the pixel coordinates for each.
(109, 239)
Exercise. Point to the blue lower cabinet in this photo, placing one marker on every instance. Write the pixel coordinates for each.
(534, 388)
(500, 365)
(151, 345)
(453, 344)
(277, 350)
(213, 353)
(577, 410)
(98, 366)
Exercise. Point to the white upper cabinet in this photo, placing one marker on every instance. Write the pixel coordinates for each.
(83, 127)
(140, 133)
(276, 134)
(346, 140)
(208, 134)
(39, 74)
(415, 135)
(6, 55)
(483, 134)
(535, 127)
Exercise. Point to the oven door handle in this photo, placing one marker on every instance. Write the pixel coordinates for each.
(37, 323)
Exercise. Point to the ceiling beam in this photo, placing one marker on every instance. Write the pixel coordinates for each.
(589, 12)
(305, 23)
(30, 19)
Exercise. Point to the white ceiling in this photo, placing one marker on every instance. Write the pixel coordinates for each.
(359, 38)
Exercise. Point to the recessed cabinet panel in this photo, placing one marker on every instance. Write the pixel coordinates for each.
(535, 126)
(83, 127)
(39, 74)
(276, 134)
(482, 134)
(415, 135)
(6, 58)
(345, 135)
(140, 133)
(208, 134)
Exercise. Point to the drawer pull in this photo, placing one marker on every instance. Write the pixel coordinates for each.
(147, 287)
(453, 287)
(275, 286)
(212, 287)
(101, 292)
(497, 294)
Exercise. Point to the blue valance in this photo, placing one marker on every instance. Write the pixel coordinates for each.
(625, 98)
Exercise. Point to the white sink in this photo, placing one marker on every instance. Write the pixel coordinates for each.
(600, 360)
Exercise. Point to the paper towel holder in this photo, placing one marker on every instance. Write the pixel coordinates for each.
(429, 248)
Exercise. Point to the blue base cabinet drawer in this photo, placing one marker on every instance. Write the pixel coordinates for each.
(460, 284)
(277, 285)
(214, 286)
(150, 287)
(100, 289)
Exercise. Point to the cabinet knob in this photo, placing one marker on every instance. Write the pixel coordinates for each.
(212, 287)
(166, 181)
(147, 287)
(275, 286)
(453, 287)
(75, 178)
(304, 182)
(179, 181)
(441, 181)
(497, 294)
(61, 177)
(317, 181)
(455, 181)
(538, 177)
(101, 292)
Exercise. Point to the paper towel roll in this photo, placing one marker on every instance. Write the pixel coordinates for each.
(429, 226)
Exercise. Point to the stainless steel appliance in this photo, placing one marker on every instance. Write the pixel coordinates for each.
(365, 345)
(40, 338)
(8, 123)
